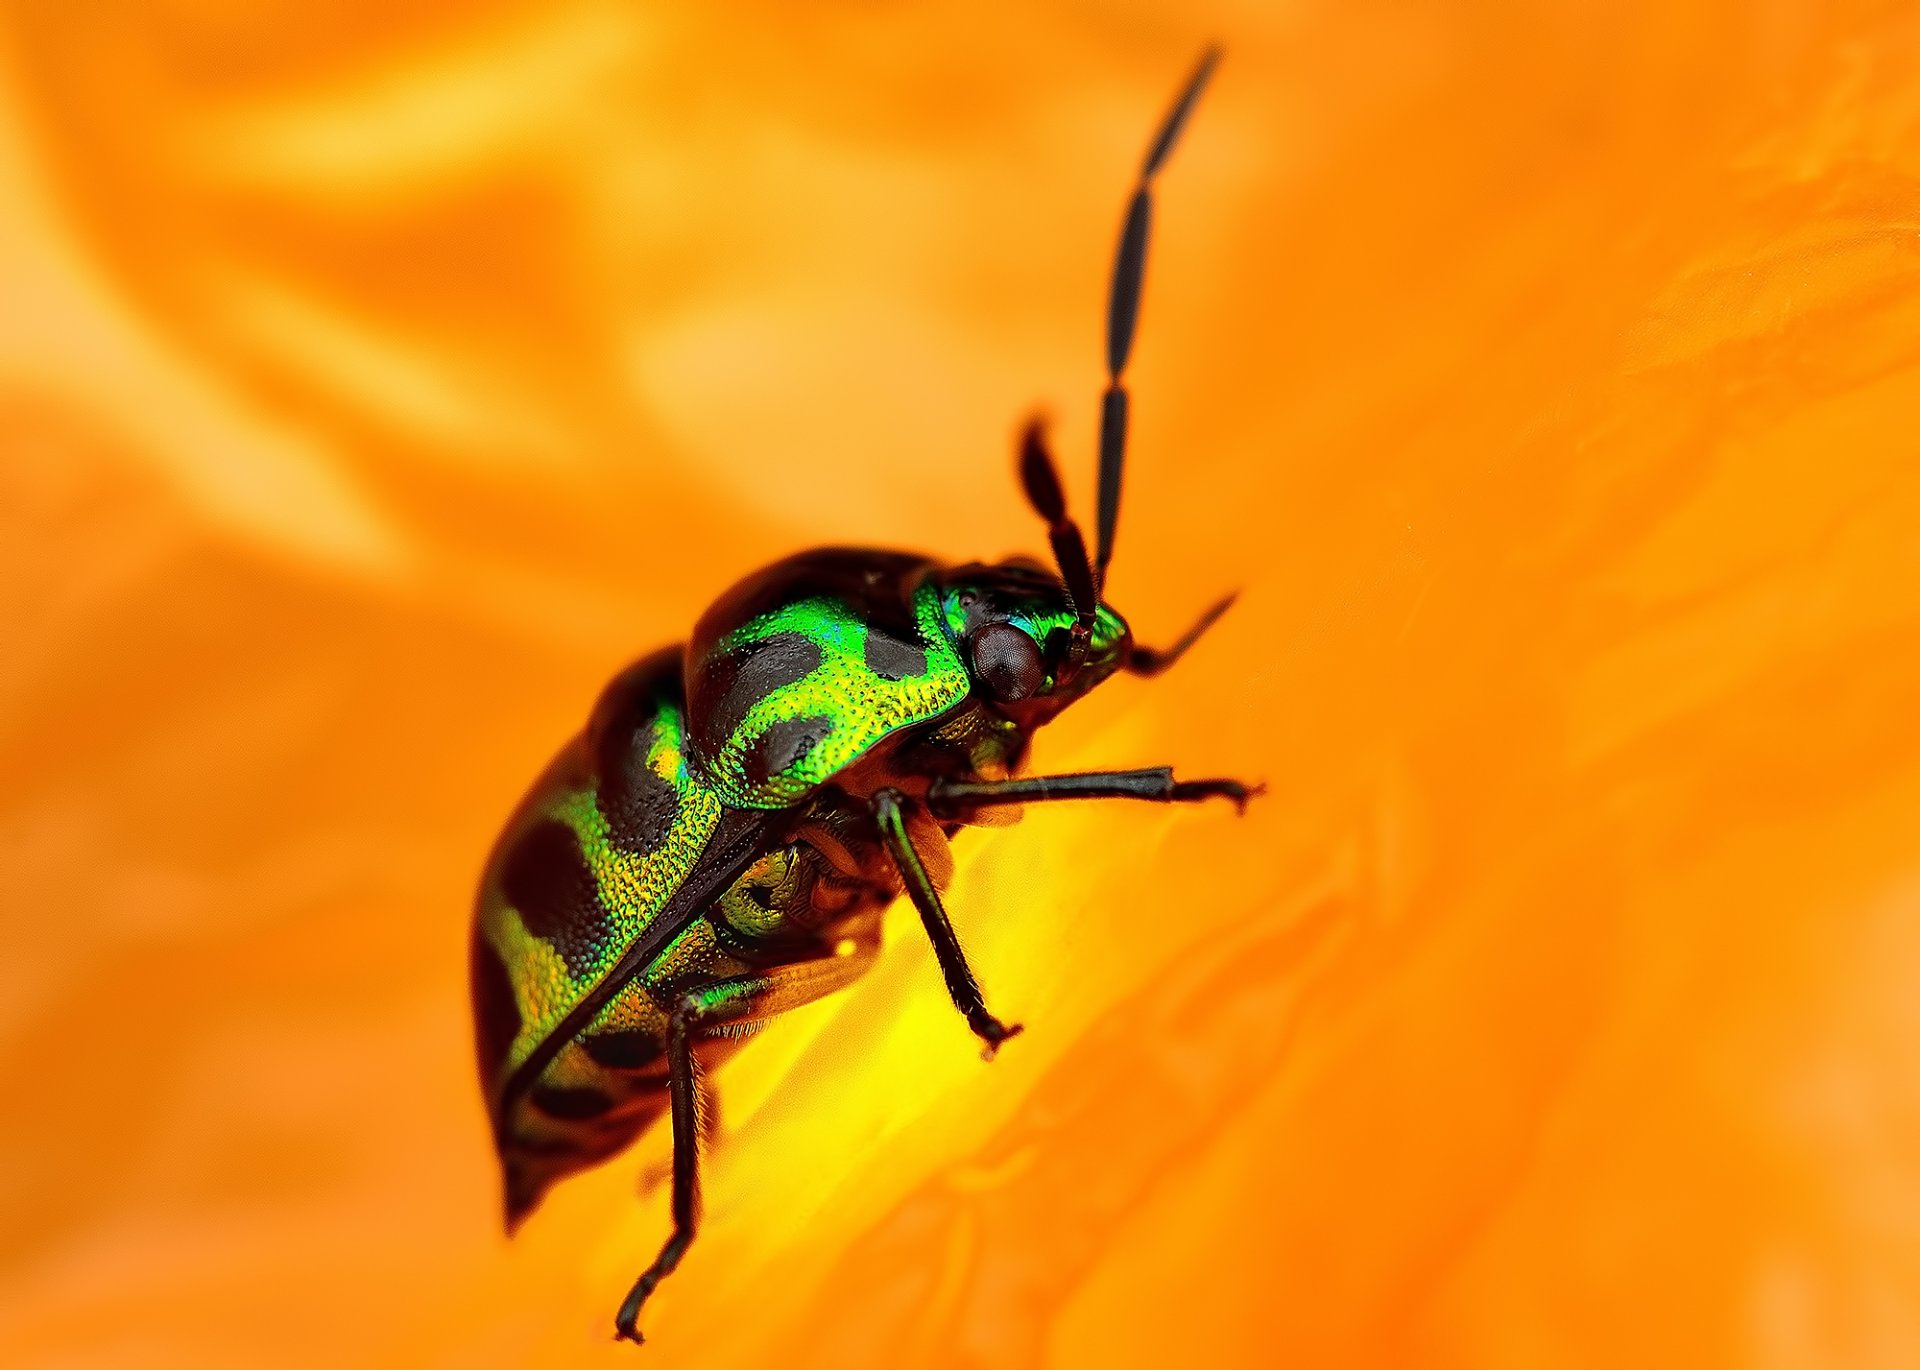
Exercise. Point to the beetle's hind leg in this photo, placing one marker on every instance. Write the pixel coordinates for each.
(749, 999)
(683, 1095)
(717, 1003)
(712, 1129)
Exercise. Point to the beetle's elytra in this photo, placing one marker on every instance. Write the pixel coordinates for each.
(720, 841)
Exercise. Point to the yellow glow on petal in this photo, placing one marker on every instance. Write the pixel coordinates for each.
(449, 406)
(412, 121)
(63, 329)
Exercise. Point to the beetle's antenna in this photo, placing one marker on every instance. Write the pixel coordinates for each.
(1123, 312)
(1151, 661)
(1041, 480)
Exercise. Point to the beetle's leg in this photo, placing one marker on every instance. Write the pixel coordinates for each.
(961, 986)
(710, 1130)
(745, 1000)
(683, 1099)
(1151, 661)
(956, 798)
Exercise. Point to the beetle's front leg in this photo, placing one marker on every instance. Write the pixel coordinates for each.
(889, 817)
(957, 798)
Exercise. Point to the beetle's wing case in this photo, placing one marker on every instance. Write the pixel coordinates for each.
(802, 668)
(619, 823)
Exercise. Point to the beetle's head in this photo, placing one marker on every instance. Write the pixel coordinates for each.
(1035, 638)
(1026, 644)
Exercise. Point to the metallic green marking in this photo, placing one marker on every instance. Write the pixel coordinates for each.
(632, 888)
(855, 706)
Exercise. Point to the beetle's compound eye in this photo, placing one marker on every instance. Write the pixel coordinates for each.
(1006, 660)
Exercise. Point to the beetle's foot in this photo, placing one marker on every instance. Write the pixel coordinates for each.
(1185, 791)
(991, 1031)
(626, 1323)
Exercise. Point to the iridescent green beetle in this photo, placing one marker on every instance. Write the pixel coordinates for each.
(719, 843)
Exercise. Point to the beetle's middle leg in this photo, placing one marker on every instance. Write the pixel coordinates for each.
(957, 798)
(964, 990)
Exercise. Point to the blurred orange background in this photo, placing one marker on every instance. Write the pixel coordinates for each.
(376, 378)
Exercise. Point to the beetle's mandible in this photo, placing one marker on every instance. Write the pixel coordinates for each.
(719, 842)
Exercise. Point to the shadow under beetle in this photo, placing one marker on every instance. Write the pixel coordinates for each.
(719, 843)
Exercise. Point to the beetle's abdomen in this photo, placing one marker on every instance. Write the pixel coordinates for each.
(793, 911)
(586, 863)
(798, 671)
(587, 860)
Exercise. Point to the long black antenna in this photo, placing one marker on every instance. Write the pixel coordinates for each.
(1123, 312)
(1042, 483)
(1041, 479)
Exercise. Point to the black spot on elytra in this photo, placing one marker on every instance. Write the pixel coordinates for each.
(622, 1048)
(496, 1013)
(638, 805)
(547, 881)
(891, 659)
(569, 1102)
(783, 746)
(740, 679)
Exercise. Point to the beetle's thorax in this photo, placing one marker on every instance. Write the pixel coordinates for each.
(801, 671)
(806, 666)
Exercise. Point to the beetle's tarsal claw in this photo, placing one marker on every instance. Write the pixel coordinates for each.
(991, 1032)
(626, 1323)
(1189, 791)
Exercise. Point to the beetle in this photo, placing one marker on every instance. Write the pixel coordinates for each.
(719, 842)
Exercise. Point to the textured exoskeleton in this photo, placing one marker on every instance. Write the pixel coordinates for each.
(719, 842)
